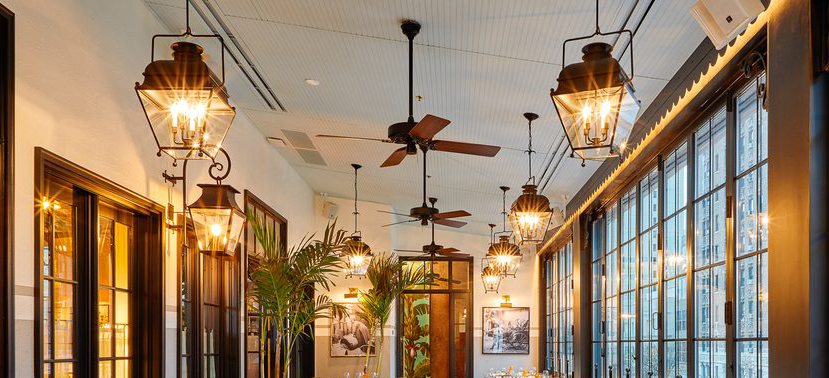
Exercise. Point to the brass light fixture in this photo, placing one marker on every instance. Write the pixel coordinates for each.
(185, 103)
(506, 301)
(530, 214)
(356, 254)
(491, 279)
(217, 219)
(503, 256)
(595, 99)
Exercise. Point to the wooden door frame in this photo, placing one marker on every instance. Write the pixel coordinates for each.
(7, 192)
(149, 308)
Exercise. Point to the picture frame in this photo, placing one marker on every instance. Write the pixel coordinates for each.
(505, 330)
(350, 335)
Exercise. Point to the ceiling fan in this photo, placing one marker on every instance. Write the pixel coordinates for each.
(419, 134)
(433, 249)
(425, 214)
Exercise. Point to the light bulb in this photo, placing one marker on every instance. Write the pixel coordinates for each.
(216, 229)
(585, 112)
(503, 259)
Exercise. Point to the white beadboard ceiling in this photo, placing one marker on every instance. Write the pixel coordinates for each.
(478, 63)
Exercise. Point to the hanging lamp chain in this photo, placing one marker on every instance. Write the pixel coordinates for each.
(598, 31)
(356, 213)
(187, 17)
(530, 152)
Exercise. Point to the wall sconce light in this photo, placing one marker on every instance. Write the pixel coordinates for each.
(217, 219)
(353, 293)
(505, 301)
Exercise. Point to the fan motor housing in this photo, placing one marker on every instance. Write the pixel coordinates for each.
(422, 212)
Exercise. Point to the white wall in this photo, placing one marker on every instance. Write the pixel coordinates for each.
(76, 64)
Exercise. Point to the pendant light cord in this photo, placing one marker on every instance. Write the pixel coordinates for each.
(504, 207)
(597, 18)
(411, 78)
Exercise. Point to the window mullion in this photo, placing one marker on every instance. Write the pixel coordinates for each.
(660, 264)
(689, 259)
(730, 237)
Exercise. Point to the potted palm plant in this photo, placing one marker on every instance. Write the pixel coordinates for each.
(389, 276)
(283, 283)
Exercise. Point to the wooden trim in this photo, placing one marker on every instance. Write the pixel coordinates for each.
(7, 193)
(147, 278)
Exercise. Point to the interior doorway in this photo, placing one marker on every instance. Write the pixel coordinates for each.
(434, 323)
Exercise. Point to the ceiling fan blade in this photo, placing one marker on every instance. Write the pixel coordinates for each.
(448, 250)
(353, 138)
(450, 223)
(393, 213)
(409, 250)
(428, 127)
(465, 148)
(395, 158)
(452, 214)
(406, 221)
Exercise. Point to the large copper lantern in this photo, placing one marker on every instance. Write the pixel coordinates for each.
(530, 216)
(217, 220)
(504, 257)
(595, 103)
(186, 104)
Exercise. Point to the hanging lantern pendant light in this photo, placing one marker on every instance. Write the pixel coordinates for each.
(530, 214)
(185, 103)
(356, 254)
(503, 256)
(595, 99)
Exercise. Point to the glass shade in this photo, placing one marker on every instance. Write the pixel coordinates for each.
(504, 257)
(530, 216)
(595, 103)
(491, 279)
(357, 257)
(186, 104)
(217, 220)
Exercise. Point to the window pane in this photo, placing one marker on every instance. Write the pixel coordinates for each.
(702, 232)
(64, 323)
(747, 214)
(702, 149)
(747, 129)
(718, 226)
(628, 316)
(747, 361)
(628, 360)
(105, 322)
(47, 319)
(746, 298)
(718, 149)
(763, 207)
(702, 304)
(612, 277)
(764, 125)
(763, 296)
(648, 352)
(122, 251)
(649, 312)
(105, 369)
(676, 359)
(105, 251)
(675, 309)
(628, 266)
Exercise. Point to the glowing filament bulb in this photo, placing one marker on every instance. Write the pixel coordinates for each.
(216, 229)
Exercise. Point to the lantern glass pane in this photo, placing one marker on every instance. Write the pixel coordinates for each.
(236, 225)
(357, 257)
(211, 227)
(598, 122)
(529, 226)
(185, 120)
(491, 282)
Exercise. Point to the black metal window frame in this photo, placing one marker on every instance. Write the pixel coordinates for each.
(687, 338)
(558, 315)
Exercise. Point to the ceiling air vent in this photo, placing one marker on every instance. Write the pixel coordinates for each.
(304, 147)
(298, 139)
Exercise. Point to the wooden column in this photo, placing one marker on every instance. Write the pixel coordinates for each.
(582, 354)
(797, 195)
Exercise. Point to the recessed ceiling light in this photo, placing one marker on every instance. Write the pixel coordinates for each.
(312, 82)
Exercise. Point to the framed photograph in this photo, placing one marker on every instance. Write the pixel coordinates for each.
(506, 330)
(350, 334)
